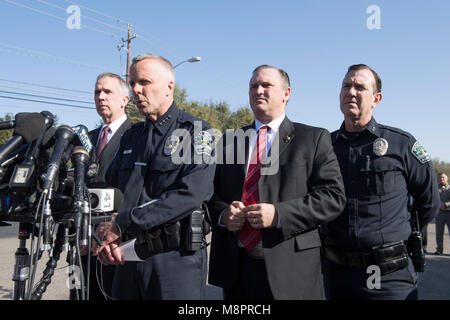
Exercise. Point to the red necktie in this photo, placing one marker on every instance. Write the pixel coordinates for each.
(249, 236)
(101, 143)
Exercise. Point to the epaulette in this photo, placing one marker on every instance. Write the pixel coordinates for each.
(396, 130)
(186, 117)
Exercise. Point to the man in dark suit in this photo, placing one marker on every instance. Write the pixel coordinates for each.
(111, 96)
(266, 208)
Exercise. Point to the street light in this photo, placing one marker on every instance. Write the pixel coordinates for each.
(193, 59)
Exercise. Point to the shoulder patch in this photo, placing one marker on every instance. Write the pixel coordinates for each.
(420, 153)
(203, 143)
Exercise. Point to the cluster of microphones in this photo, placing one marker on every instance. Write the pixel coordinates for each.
(37, 187)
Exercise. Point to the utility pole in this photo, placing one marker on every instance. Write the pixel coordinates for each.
(128, 41)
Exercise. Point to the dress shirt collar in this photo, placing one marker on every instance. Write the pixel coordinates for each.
(114, 126)
(274, 125)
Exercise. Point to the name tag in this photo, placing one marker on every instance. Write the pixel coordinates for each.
(140, 164)
(127, 151)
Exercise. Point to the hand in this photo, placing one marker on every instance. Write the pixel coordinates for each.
(261, 215)
(109, 252)
(233, 217)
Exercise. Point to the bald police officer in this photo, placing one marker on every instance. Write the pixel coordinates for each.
(160, 192)
(366, 246)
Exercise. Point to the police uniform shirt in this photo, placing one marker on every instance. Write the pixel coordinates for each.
(156, 189)
(381, 167)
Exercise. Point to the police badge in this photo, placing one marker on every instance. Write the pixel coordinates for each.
(380, 146)
(171, 144)
(203, 143)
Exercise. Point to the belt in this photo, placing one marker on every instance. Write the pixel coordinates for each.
(349, 259)
(389, 257)
(256, 253)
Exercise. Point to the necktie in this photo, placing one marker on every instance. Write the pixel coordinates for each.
(102, 142)
(249, 236)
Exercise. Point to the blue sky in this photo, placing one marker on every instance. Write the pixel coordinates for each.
(314, 41)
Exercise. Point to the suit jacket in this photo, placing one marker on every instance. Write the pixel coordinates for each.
(307, 190)
(108, 154)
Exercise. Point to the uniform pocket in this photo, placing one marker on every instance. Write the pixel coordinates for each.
(382, 177)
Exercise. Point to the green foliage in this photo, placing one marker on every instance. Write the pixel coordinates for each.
(6, 134)
(441, 166)
(218, 115)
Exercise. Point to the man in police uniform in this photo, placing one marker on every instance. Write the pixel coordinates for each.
(382, 167)
(443, 217)
(160, 192)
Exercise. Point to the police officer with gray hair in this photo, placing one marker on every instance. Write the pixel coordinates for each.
(370, 248)
(163, 169)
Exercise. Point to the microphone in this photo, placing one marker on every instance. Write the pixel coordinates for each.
(82, 137)
(4, 125)
(105, 200)
(64, 136)
(80, 157)
(28, 127)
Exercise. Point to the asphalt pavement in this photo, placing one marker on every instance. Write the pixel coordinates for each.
(434, 283)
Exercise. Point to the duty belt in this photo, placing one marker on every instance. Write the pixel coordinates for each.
(389, 257)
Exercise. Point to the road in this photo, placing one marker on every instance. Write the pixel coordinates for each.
(434, 284)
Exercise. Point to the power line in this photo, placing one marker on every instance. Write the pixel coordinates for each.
(98, 12)
(53, 57)
(39, 91)
(42, 86)
(119, 20)
(44, 97)
(59, 18)
(85, 17)
(40, 101)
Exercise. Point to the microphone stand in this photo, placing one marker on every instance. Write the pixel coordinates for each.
(23, 261)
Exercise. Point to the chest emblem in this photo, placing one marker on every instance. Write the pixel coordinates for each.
(380, 147)
(203, 143)
(171, 144)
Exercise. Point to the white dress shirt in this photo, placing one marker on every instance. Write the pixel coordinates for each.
(113, 127)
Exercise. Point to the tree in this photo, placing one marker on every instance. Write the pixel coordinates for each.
(218, 115)
(6, 134)
(441, 166)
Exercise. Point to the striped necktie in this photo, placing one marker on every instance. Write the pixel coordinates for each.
(249, 236)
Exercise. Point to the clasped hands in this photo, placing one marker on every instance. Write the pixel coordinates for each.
(260, 215)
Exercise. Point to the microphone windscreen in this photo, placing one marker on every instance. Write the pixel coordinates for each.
(29, 126)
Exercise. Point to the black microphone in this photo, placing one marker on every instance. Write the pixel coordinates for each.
(80, 158)
(9, 124)
(49, 118)
(28, 127)
(64, 136)
(82, 137)
(4, 125)
(48, 122)
(23, 177)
